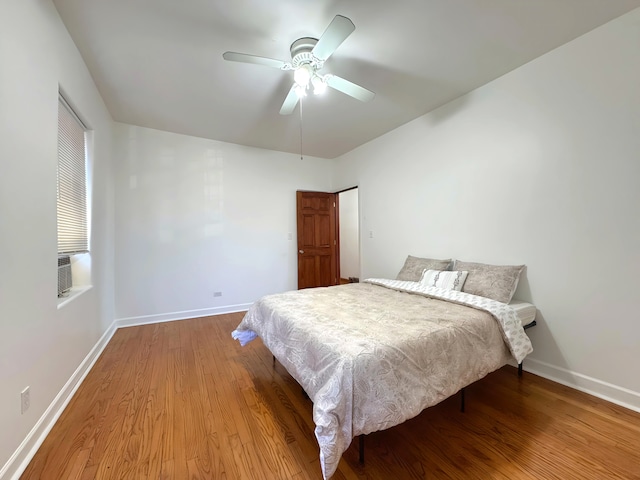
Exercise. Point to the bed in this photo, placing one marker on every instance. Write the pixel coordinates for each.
(371, 355)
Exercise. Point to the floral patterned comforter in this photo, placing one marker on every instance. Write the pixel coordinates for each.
(372, 355)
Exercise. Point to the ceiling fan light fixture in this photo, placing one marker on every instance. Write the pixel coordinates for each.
(300, 90)
(303, 74)
(319, 84)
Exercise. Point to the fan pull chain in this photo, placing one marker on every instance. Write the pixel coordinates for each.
(300, 128)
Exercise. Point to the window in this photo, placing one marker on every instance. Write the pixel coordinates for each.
(72, 182)
(73, 195)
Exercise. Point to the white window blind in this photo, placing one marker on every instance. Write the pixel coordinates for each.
(72, 182)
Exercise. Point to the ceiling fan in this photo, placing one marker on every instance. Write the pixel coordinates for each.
(307, 59)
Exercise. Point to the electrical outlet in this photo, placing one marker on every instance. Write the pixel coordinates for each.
(25, 400)
(217, 294)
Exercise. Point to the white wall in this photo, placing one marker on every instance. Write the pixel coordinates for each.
(539, 167)
(349, 234)
(196, 216)
(40, 345)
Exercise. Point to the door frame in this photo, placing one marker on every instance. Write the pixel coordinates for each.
(336, 226)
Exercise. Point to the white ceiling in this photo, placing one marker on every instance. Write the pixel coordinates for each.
(158, 63)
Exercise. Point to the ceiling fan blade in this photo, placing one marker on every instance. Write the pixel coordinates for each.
(290, 102)
(245, 58)
(349, 88)
(336, 33)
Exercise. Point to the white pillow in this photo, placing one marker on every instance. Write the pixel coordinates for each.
(444, 279)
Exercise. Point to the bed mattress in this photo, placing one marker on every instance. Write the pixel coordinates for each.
(526, 312)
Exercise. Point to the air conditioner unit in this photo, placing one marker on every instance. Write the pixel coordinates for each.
(64, 274)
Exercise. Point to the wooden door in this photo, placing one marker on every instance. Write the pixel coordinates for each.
(317, 239)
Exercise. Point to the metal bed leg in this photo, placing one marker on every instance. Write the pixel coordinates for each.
(361, 447)
(526, 327)
(274, 361)
(462, 400)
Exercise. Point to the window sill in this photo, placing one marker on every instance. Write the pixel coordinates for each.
(75, 292)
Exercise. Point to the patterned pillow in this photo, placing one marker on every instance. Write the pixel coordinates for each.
(448, 280)
(414, 266)
(498, 282)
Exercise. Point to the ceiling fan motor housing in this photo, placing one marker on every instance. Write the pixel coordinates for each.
(301, 53)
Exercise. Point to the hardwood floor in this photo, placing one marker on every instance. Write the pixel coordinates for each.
(182, 400)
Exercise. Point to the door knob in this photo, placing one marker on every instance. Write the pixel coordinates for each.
(300, 251)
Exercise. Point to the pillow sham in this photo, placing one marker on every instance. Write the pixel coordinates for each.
(414, 266)
(498, 282)
(444, 279)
